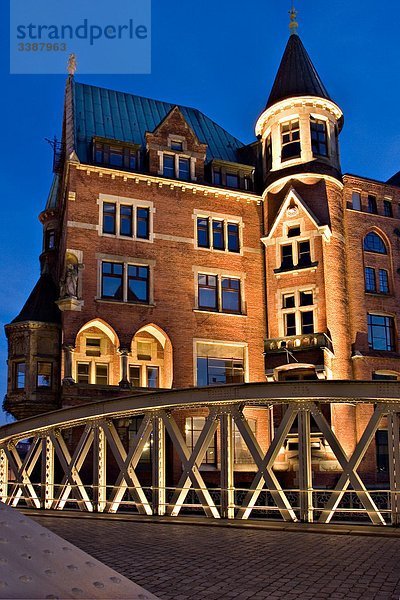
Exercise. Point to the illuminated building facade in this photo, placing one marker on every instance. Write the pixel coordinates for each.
(175, 256)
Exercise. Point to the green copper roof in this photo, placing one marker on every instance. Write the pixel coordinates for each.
(52, 200)
(126, 117)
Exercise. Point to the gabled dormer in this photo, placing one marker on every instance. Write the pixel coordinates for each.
(174, 150)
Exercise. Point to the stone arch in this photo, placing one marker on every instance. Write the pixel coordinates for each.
(104, 327)
(159, 356)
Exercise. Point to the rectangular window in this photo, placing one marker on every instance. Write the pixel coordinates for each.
(99, 154)
(217, 177)
(153, 377)
(304, 254)
(184, 169)
(144, 350)
(169, 166)
(306, 298)
(242, 455)
(290, 138)
(356, 201)
(231, 295)
(383, 281)
(290, 324)
(109, 218)
(289, 301)
(208, 298)
(219, 371)
(307, 322)
(138, 284)
(177, 146)
(248, 183)
(44, 375)
(268, 152)
(381, 333)
(203, 232)
(319, 137)
(370, 283)
(93, 347)
(387, 208)
(382, 451)
(50, 239)
(19, 375)
(134, 376)
(233, 237)
(82, 374)
(287, 257)
(132, 160)
(294, 231)
(112, 281)
(218, 235)
(143, 223)
(372, 206)
(101, 374)
(126, 220)
(232, 180)
(193, 428)
(116, 156)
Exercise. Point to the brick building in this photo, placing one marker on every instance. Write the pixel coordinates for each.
(176, 256)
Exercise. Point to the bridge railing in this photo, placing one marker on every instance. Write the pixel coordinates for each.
(78, 457)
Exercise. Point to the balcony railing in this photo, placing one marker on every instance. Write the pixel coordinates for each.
(296, 343)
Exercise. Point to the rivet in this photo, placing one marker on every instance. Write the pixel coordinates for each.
(98, 584)
(25, 578)
(25, 555)
(72, 567)
(3, 584)
(115, 579)
(77, 591)
(48, 551)
(90, 563)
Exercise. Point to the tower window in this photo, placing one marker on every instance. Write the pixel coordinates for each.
(287, 257)
(50, 239)
(318, 137)
(304, 254)
(290, 137)
(44, 375)
(19, 375)
(268, 152)
(372, 206)
(298, 312)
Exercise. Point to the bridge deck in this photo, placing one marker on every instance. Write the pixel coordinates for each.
(182, 562)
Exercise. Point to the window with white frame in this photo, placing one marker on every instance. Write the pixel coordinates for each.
(125, 282)
(290, 139)
(298, 312)
(176, 164)
(296, 253)
(126, 218)
(220, 363)
(218, 233)
(92, 373)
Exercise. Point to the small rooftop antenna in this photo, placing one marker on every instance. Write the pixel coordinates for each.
(293, 25)
(72, 65)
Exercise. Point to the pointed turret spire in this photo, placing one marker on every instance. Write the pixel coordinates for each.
(296, 75)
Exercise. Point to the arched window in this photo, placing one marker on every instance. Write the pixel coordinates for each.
(374, 243)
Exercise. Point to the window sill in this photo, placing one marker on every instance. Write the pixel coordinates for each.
(216, 312)
(379, 294)
(218, 251)
(365, 212)
(128, 238)
(110, 301)
(297, 269)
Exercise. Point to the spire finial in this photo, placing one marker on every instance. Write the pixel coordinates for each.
(72, 65)
(293, 25)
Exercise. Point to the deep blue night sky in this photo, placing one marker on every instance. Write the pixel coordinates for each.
(220, 57)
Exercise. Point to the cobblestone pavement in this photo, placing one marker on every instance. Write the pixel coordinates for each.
(181, 562)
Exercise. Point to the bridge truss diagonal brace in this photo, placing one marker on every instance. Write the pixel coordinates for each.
(71, 482)
(3, 475)
(394, 464)
(99, 469)
(190, 464)
(23, 487)
(47, 486)
(127, 462)
(264, 464)
(350, 466)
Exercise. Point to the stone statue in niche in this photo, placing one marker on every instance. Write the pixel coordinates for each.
(69, 284)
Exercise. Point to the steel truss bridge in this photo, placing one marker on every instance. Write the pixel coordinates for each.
(49, 474)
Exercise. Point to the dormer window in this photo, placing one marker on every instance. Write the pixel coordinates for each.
(217, 177)
(169, 166)
(290, 138)
(294, 231)
(295, 255)
(176, 167)
(319, 140)
(184, 169)
(116, 155)
(232, 180)
(177, 146)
